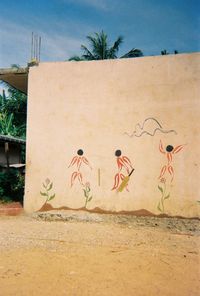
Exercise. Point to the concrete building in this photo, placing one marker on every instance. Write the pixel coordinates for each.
(10, 152)
(115, 136)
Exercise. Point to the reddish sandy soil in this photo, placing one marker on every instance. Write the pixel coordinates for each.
(98, 257)
(11, 209)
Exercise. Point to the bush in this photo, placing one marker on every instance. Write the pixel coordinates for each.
(11, 186)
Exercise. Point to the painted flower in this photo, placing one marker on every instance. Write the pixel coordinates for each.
(47, 181)
(87, 185)
(163, 180)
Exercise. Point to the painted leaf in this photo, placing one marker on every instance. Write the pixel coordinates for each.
(88, 189)
(43, 193)
(85, 193)
(167, 196)
(90, 198)
(44, 185)
(160, 188)
(51, 197)
(50, 186)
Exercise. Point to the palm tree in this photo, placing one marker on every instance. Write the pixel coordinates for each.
(100, 49)
(164, 52)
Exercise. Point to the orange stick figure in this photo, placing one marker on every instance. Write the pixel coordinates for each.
(78, 160)
(169, 152)
(123, 162)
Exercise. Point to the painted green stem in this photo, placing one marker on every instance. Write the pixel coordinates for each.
(48, 187)
(163, 189)
(87, 195)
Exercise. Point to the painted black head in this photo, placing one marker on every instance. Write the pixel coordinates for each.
(118, 153)
(169, 148)
(80, 152)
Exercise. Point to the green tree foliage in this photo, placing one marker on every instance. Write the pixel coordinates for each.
(13, 111)
(165, 52)
(11, 186)
(12, 123)
(7, 126)
(100, 49)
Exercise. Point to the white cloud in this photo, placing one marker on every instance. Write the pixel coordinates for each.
(59, 47)
(15, 47)
(15, 44)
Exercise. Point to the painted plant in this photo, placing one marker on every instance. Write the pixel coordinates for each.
(47, 188)
(125, 169)
(166, 176)
(164, 194)
(87, 193)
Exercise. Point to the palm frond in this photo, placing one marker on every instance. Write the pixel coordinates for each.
(133, 53)
(103, 48)
(98, 45)
(87, 53)
(114, 49)
(76, 58)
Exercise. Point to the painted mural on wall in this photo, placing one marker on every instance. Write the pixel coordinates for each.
(166, 176)
(87, 193)
(150, 126)
(47, 191)
(78, 161)
(99, 177)
(77, 175)
(125, 170)
(121, 179)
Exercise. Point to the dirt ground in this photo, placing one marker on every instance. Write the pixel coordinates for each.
(89, 254)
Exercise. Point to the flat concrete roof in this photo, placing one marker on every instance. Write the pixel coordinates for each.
(16, 77)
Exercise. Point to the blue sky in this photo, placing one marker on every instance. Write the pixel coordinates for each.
(151, 25)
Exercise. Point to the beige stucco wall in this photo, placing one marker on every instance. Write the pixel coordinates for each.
(95, 106)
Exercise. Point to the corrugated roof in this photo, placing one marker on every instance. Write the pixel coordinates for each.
(11, 139)
(16, 77)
